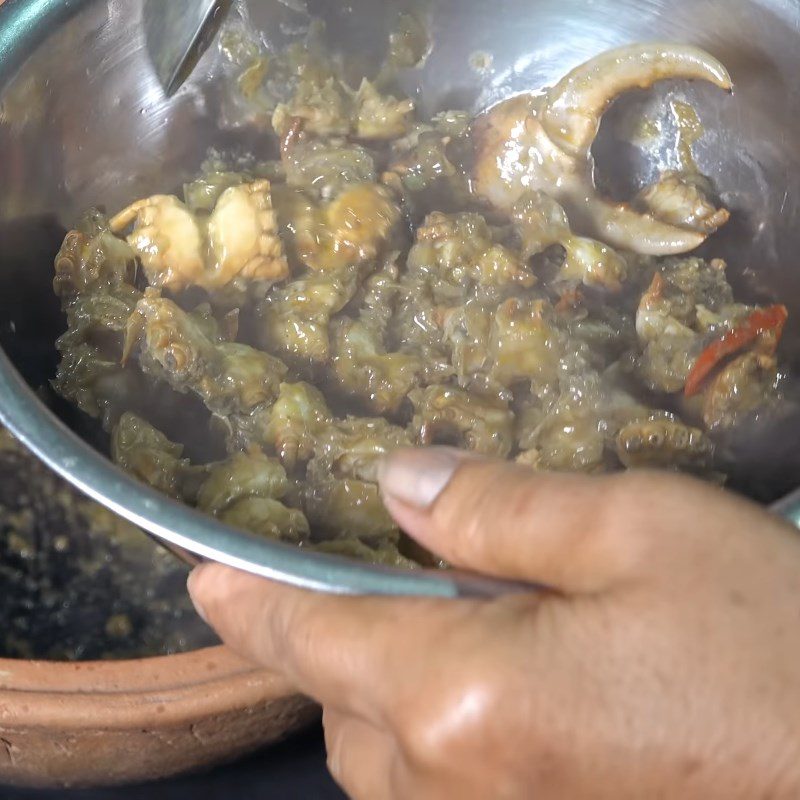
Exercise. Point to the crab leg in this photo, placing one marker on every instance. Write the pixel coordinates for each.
(128, 216)
(622, 227)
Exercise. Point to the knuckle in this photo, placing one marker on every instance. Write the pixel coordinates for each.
(421, 742)
(439, 733)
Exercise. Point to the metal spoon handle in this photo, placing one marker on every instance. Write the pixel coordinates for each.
(177, 33)
(470, 585)
(465, 585)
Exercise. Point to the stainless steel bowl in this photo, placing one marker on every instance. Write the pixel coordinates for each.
(84, 121)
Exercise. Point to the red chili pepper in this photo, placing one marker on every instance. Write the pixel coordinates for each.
(765, 320)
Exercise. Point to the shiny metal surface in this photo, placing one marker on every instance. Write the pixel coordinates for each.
(177, 34)
(84, 119)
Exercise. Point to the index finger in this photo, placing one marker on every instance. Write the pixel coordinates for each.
(346, 652)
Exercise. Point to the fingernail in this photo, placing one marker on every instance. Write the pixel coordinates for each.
(191, 585)
(418, 477)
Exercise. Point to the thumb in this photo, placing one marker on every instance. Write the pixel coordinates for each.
(567, 532)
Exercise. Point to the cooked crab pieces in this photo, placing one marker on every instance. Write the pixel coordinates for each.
(176, 347)
(664, 444)
(349, 231)
(94, 273)
(685, 299)
(542, 223)
(445, 415)
(697, 341)
(461, 251)
(543, 143)
(150, 456)
(288, 428)
(245, 491)
(363, 368)
(341, 497)
(683, 201)
(499, 304)
(493, 349)
(237, 245)
(92, 260)
(330, 108)
(747, 386)
(295, 320)
(594, 425)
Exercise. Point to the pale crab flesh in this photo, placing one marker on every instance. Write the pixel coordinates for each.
(236, 245)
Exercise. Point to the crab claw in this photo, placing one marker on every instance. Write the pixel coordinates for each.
(543, 143)
(575, 106)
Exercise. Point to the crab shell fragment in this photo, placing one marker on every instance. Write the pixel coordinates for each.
(543, 143)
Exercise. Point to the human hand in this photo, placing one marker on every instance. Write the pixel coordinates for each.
(663, 662)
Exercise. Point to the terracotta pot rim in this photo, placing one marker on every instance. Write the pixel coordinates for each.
(137, 669)
(135, 694)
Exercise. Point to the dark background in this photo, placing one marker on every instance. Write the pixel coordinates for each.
(294, 770)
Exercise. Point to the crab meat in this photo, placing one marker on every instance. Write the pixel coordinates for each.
(245, 491)
(459, 251)
(363, 367)
(384, 553)
(664, 444)
(267, 518)
(243, 475)
(364, 370)
(331, 108)
(176, 347)
(743, 389)
(92, 259)
(295, 319)
(288, 428)
(541, 223)
(543, 142)
(299, 415)
(243, 238)
(145, 452)
(342, 495)
(325, 169)
(90, 374)
(168, 239)
(236, 245)
(683, 201)
(685, 301)
(445, 415)
(325, 108)
(348, 231)
(417, 325)
(567, 439)
(525, 344)
(380, 117)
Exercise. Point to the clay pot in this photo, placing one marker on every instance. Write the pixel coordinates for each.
(111, 723)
